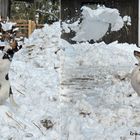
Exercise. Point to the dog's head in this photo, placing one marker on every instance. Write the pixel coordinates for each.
(137, 55)
(9, 41)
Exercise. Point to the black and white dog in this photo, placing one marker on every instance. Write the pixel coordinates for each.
(8, 34)
(7, 54)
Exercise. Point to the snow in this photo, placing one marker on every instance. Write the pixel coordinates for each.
(95, 90)
(3, 43)
(6, 26)
(35, 83)
(83, 90)
(127, 20)
(95, 23)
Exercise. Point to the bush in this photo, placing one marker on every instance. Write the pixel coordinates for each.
(42, 11)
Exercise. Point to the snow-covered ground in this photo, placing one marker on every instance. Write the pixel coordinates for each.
(83, 89)
(68, 92)
(98, 102)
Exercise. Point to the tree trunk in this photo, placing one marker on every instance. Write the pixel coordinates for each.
(4, 8)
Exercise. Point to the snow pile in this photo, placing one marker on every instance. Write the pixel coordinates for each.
(67, 92)
(50, 34)
(35, 83)
(96, 23)
(98, 101)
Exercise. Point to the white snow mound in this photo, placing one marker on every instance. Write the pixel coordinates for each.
(96, 23)
(83, 89)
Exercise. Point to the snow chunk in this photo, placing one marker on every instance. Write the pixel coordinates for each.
(127, 20)
(96, 23)
(65, 27)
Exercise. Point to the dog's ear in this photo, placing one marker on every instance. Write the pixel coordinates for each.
(137, 55)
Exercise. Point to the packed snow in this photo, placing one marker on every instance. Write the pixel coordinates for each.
(66, 92)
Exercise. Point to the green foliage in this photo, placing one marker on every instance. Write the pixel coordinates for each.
(45, 10)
